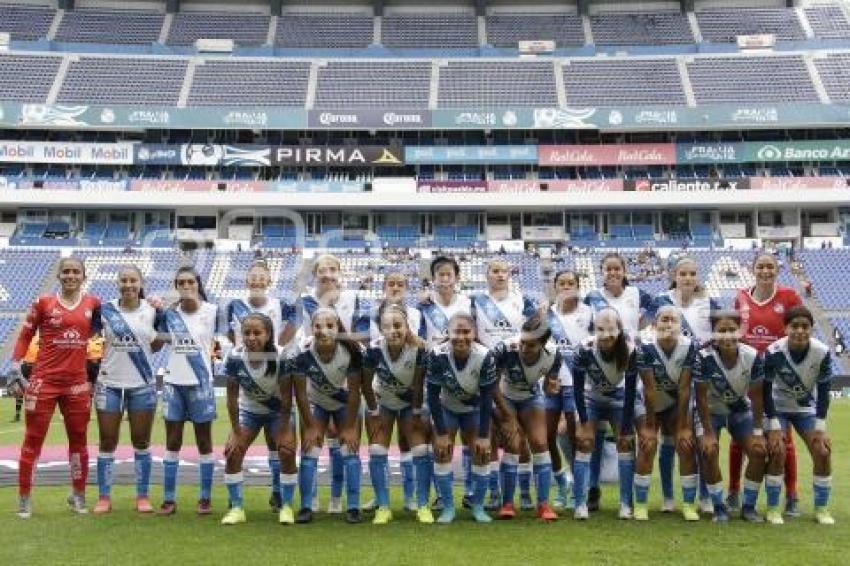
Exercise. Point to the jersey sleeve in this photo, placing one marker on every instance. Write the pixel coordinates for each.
(698, 373)
(652, 309)
(757, 372)
(421, 358)
(227, 321)
(645, 301)
(643, 359)
(489, 374)
(433, 367)
(370, 359)
(96, 317)
(230, 367)
(287, 312)
(690, 357)
(162, 323)
(557, 363)
(529, 306)
(825, 370)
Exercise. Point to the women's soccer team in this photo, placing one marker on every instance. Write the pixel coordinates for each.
(531, 388)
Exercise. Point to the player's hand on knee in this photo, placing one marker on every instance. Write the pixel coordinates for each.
(708, 445)
(685, 440)
(647, 439)
(348, 438)
(584, 437)
(481, 449)
(758, 447)
(821, 444)
(775, 444)
(625, 443)
(442, 446)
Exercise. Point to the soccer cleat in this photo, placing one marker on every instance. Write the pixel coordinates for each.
(424, 515)
(24, 507)
(822, 516)
(369, 506)
(352, 516)
(446, 516)
(77, 503)
(335, 506)
(383, 515)
(167, 508)
(480, 515)
(494, 502)
(437, 505)
(625, 512)
(204, 507)
(721, 513)
(103, 506)
(706, 506)
(507, 511)
(143, 504)
(525, 503)
(275, 502)
(304, 516)
(689, 512)
(286, 516)
(750, 515)
(561, 499)
(733, 501)
(593, 497)
(581, 513)
(235, 516)
(316, 507)
(792, 507)
(668, 506)
(641, 512)
(774, 516)
(466, 502)
(410, 506)
(545, 513)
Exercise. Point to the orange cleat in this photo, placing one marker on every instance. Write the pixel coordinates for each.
(143, 505)
(507, 511)
(545, 513)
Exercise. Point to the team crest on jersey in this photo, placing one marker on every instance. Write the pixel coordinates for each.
(778, 308)
(88, 313)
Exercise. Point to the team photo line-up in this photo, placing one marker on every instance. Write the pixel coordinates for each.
(526, 384)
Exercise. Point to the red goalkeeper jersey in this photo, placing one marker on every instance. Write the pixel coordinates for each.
(762, 323)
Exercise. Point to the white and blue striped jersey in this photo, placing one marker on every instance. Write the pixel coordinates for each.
(127, 337)
(521, 382)
(414, 322)
(498, 320)
(327, 383)
(795, 385)
(191, 347)
(434, 322)
(352, 311)
(460, 388)
(666, 369)
(568, 333)
(728, 389)
(631, 304)
(259, 393)
(696, 321)
(393, 379)
(277, 310)
(603, 382)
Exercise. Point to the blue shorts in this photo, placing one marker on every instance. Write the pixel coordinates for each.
(563, 402)
(117, 400)
(325, 415)
(597, 411)
(400, 414)
(536, 402)
(461, 421)
(803, 423)
(195, 403)
(740, 425)
(256, 422)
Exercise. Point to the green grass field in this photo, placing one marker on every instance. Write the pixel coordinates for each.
(53, 535)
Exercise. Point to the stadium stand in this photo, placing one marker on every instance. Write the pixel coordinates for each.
(834, 71)
(655, 28)
(27, 78)
(361, 84)
(743, 79)
(506, 29)
(503, 83)
(826, 270)
(22, 274)
(324, 31)
(26, 22)
(104, 80)
(623, 81)
(427, 30)
(725, 25)
(259, 83)
(243, 28)
(110, 26)
(828, 21)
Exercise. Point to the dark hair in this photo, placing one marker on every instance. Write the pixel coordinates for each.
(79, 260)
(352, 346)
(618, 257)
(621, 344)
(270, 346)
(261, 264)
(572, 272)
(442, 260)
(135, 268)
(796, 312)
(718, 315)
(411, 339)
(538, 325)
(191, 270)
(762, 254)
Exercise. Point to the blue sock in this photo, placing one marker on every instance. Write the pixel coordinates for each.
(274, 470)
(378, 466)
(542, 466)
(307, 477)
(642, 488)
(408, 480)
(352, 479)
(666, 461)
(466, 462)
(480, 479)
(751, 493)
(105, 462)
(142, 467)
(433, 473)
(424, 472)
(773, 489)
(508, 471)
(524, 474)
(715, 491)
(494, 479)
(445, 484)
(169, 476)
(234, 488)
(689, 488)
(626, 467)
(581, 469)
(207, 469)
(287, 488)
(337, 469)
(822, 488)
(596, 459)
(561, 479)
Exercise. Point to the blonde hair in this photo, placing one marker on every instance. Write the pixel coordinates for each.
(326, 258)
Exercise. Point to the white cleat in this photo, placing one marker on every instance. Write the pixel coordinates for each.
(625, 512)
(581, 513)
(24, 507)
(706, 507)
(668, 506)
(335, 506)
(77, 503)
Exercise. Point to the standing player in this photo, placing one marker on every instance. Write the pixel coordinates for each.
(605, 380)
(329, 368)
(126, 382)
(797, 376)
(762, 309)
(690, 299)
(190, 328)
(64, 321)
(728, 376)
(461, 376)
(571, 322)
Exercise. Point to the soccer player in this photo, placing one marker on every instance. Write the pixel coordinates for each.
(605, 381)
(126, 383)
(571, 322)
(393, 380)
(690, 298)
(728, 376)
(329, 368)
(797, 376)
(665, 364)
(529, 363)
(254, 403)
(257, 300)
(461, 375)
(762, 309)
(190, 328)
(64, 321)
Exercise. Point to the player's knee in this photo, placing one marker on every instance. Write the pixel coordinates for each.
(585, 445)
(757, 452)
